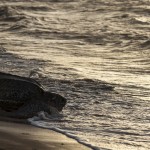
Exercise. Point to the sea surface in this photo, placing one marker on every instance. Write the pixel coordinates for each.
(96, 53)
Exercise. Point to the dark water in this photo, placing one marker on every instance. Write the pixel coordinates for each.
(75, 47)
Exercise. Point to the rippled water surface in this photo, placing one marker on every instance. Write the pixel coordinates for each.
(82, 49)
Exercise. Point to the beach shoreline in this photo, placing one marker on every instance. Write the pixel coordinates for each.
(16, 136)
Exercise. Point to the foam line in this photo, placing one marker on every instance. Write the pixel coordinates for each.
(36, 121)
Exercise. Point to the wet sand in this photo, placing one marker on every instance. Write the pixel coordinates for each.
(15, 136)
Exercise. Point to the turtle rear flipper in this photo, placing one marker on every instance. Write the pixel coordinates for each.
(29, 110)
(10, 105)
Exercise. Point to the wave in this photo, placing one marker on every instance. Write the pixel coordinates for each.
(145, 44)
(9, 14)
(16, 19)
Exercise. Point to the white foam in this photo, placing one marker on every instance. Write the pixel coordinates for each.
(38, 121)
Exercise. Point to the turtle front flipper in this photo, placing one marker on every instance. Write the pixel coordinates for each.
(28, 110)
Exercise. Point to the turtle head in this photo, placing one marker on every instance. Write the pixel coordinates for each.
(55, 100)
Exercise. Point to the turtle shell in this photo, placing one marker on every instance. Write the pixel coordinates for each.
(15, 91)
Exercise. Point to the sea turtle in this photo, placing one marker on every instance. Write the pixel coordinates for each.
(23, 97)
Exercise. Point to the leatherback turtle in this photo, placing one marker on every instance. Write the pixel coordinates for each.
(23, 97)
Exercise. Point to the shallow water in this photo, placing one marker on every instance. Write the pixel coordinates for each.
(73, 47)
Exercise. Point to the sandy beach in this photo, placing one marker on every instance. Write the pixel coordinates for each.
(15, 136)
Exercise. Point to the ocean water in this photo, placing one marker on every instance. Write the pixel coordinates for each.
(93, 52)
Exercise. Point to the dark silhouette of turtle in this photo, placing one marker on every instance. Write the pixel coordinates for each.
(23, 97)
